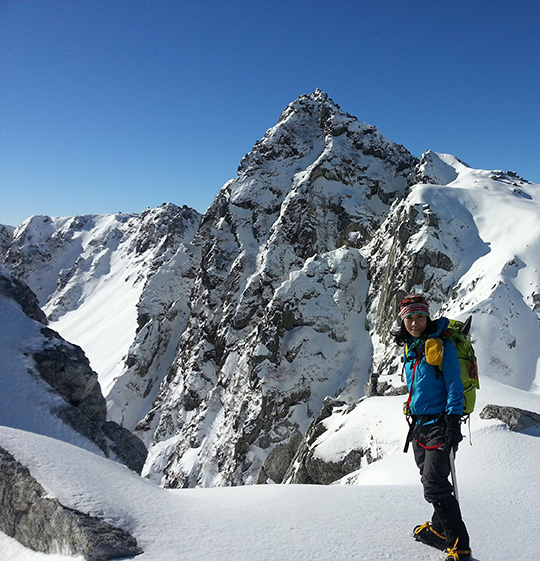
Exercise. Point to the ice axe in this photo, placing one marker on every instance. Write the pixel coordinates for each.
(452, 456)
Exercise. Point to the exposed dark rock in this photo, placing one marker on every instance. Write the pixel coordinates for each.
(66, 369)
(322, 472)
(518, 420)
(18, 291)
(278, 461)
(44, 524)
(128, 448)
(6, 238)
(375, 386)
(307, 468)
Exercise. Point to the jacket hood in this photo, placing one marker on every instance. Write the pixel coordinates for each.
(442, 324)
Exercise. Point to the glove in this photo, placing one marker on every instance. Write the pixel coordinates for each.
(453, 434)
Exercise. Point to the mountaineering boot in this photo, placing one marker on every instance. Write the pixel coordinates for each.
(449, 514)
(455, 554)
(425, 533)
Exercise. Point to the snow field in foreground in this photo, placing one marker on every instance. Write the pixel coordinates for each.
(371, 520)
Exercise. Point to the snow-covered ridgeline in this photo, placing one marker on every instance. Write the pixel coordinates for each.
(473, 245)
(112, 284)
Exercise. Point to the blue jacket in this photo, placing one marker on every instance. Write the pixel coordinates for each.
(433, 391)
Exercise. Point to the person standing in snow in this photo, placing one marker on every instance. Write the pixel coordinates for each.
(434, 409)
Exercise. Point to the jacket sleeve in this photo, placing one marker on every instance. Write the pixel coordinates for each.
(452, 377)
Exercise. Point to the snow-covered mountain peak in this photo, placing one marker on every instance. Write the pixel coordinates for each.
(316, 187)
(312, 104)
(469, 239)
(445, 169)
(317, 148)
(219, 337)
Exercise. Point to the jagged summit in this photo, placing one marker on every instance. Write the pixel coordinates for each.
(310, 103)
(315, 138)
(318, 183)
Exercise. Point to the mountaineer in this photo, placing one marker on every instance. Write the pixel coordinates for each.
(434, 408)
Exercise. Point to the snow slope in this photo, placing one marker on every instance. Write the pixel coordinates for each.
(371, 519)
(498, 277)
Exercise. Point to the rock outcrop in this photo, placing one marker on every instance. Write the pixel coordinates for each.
(516, 419)
(307, 467)
(66, 387)
(16, 290)
(43, 524)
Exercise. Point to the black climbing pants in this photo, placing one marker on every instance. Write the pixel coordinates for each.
(433, 461)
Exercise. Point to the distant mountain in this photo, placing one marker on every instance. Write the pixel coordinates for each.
(225, 339)
(469, 239)
(113, 285)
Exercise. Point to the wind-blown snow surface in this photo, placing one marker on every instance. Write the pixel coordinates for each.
(370, 520)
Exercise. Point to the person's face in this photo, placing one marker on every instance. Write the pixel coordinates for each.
(416, 324)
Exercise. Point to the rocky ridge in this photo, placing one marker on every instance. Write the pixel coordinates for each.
(42, 523)
(281, 288)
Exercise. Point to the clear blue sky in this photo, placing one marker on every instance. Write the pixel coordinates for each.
(121, 105)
